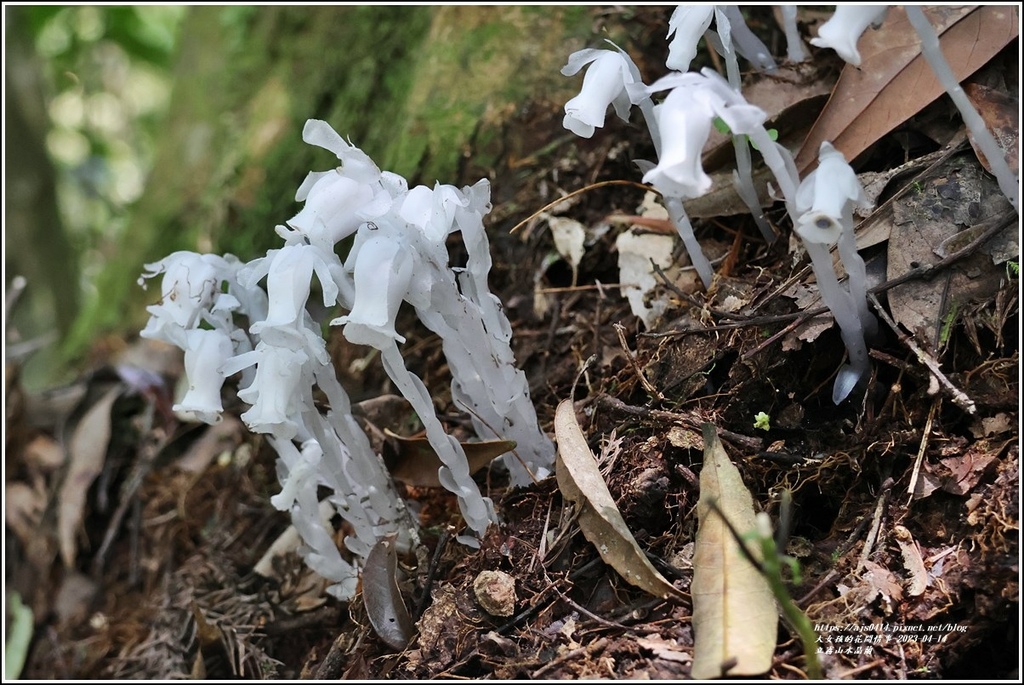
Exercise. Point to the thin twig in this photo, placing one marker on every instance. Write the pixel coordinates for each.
(921, 450)
(860, 669)
(589, 614)
(959, 397)
(993, 227)
(620, 330)
(876, 522)
(593, 186)
(442, 541)
(744, 441)
(925, 271)
(791, 327)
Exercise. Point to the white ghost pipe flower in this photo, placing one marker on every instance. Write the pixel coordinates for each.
(688, 23)
(189, 288)
(749, 46)
(684, 120)
(842, 31)
(279, 390)
(289, 272)
(355, 163)
(383, 268)
(825, 201)
(605, 83)
(205, 353)
(333, 209)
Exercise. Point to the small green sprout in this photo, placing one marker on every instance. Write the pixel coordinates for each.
(947, 324)
(1012, 268)
(723, 127)
(762, 421)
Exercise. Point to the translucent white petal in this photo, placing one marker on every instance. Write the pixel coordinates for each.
(688, 23)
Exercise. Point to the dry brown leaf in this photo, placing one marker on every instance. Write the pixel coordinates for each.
(880, 581)
(414, 461)
(581, 482)
(894, 81)
(87, 451)
(670, 650)
(1001, 113)
(735, 621)
(382, 598)
(912, 561)
(960, 473)
(959, 194)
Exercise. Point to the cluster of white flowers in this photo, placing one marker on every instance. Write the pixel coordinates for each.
(215, 309)
(820, 206)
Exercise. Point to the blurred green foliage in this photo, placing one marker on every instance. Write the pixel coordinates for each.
(105, 85)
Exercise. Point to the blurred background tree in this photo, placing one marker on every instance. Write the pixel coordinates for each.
(176, 128)
(85, 91)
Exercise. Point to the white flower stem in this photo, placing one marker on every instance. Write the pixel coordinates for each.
(794, 46)
(843, 308)
(932, 52)
(785, 174)
(856, 271)
(742, 177)
(476, 510)
(677, 214)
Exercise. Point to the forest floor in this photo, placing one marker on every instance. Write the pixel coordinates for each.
(905, 502)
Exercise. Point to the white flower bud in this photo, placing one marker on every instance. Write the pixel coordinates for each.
(842, 31)
(205, 353)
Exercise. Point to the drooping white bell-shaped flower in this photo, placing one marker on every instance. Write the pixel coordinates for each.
(842, 31)
(383, 268)
(684, 120)
(825, 201)
(333, 209)
(685, 125)
(206, 351)
(824, 195)
(688, 23)
(289, 272)
(190, 286)
(607, 82)
(278, 393)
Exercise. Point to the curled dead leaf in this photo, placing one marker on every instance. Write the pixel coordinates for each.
(383, 600)
(872, 100)
(87, 451)
(414, 462)
(581, 482)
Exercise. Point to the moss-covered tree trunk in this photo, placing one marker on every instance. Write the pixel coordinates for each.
(427, 92)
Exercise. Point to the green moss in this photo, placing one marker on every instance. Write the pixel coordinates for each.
(477, 65)
(420, 89)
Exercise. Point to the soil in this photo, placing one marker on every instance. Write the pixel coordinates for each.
(897, 585)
